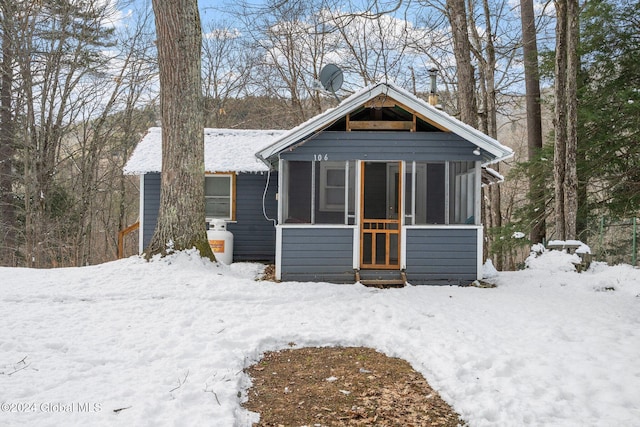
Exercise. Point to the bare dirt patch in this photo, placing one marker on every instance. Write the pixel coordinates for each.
(343, 386)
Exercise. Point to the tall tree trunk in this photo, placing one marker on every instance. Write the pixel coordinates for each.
(566, 140)
(571, 174)
(534, 115)
(560, 120)
(181, 217)
(457, 13)
(7, 143)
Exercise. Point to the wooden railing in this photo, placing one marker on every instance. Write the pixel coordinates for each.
(121, 235)
(375, 228)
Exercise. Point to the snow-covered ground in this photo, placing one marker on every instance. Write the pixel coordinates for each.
(164, 343)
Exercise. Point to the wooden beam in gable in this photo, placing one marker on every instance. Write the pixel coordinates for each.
(380, 125)
(383, 101)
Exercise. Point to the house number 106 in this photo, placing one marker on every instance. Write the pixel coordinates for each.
(320, 157)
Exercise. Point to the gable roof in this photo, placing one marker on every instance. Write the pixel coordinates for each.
(225, 150)
(491, 150)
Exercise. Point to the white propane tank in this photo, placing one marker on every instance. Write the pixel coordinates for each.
(220, 240)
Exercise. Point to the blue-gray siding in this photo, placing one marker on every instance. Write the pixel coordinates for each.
(253, 235)
(317, 254)
(419, 146)
(151, 196)
(442, 255)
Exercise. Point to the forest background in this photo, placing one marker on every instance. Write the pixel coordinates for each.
(79, 87)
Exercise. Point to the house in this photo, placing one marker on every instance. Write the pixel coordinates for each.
(382, 187)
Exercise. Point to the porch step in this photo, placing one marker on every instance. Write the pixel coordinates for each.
(383, 280)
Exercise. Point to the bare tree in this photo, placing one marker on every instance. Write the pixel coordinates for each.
(457, 13)
(103, 140)
(226, 69)
(181, 218)
(57, 49)
(8, 224)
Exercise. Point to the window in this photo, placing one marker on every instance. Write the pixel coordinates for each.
(219, 194)
(332, 183)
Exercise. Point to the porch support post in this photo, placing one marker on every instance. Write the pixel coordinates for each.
(479, 248)
(279, 252)
(141, 216)
(403, 248)
(477, 209)
(282, 192)
(356, 247)
(447, 191)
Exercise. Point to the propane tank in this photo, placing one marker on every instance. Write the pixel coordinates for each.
(220, 240)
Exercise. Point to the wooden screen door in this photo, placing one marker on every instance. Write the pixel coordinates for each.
(380, 216)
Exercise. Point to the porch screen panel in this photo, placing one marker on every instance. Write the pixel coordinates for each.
(463, 191)
(297, 203)
(430, 193)
(409, 193)
(334, 192)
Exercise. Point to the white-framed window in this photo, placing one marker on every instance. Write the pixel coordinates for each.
(332, 186)
(219, 194)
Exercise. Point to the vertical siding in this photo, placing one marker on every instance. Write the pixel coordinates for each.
(442, 255)
(254, 237)
(317, 254)
(151, 206)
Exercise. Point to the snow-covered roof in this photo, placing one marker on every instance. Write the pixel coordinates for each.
(492, 150)
(225, 150)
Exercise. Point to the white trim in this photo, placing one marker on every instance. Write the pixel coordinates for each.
(447, 192)
(141, 216)
(313, 192)
(279, 252)
(480, 240)
(346, 192)
(317, 226)
(401, 176)
(403, 248)
(358, 188)
(414, 173)
(401, 211)
(477, 212)
(356, 248)
(444, 226)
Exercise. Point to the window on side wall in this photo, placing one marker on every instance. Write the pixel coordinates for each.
(219, 194)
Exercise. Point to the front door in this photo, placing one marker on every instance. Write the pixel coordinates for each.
(380, 211)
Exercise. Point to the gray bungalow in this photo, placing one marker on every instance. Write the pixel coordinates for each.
(384, 187)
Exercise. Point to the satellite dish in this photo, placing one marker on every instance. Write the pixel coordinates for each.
(331, 78)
